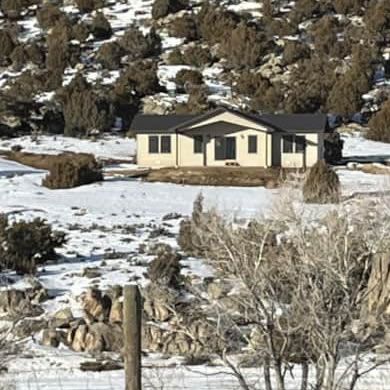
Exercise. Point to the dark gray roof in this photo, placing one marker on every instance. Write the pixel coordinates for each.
(155, 123)
(276, 122)
(297, 122)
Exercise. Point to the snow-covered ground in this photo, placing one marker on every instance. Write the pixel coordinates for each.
(108, 147)
(106, 224)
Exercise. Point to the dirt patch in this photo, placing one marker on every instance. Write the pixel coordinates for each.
(218, 176)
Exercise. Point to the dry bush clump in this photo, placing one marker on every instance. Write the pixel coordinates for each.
(7, 44)
(196, 55)
(245, 46)
(184, 27)
(188, 77)
(13, 9)
(137, 45)
(197, 102)
(80, 31)
(322, 184)
(24, 245)
(109, 55)
(101, 27)
(58, 51)
(187, 238)
(27, 85)
(162, 8)
(294, 51)
(215, 24)
(140, 77)
(85, 110)
(19, 58)
(165, 268)
(48, 15)
(379, 124)
(70, 170)
(88, 5)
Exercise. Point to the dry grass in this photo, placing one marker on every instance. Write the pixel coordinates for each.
(218, 176)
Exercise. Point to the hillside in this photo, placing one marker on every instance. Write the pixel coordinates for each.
(86, 66)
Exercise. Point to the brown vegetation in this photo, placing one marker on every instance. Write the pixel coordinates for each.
(162, 8)
(379, 125)
(70, 170)
(24, 245)
(322, 184)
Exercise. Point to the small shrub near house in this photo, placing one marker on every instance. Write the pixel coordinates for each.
(322, 185)
(25, 245)
(162, 8)
(70, 170)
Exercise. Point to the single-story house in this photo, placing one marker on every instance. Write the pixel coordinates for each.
(229, 137)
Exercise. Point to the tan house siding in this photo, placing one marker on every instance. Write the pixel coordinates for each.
(229, 118)
(296, 160)
(146, 159)
(187, 157)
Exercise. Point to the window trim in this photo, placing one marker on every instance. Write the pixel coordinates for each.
(168, 150)
(157, 144)
(252, 144)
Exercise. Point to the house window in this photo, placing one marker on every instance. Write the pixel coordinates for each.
(165, 144)
(300, 144)
(198, 144)
(153, 144)
(252, 144)
(225, 148)
(288, 144)
(294, 144)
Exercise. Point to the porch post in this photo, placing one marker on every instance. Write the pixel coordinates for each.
(204, 146)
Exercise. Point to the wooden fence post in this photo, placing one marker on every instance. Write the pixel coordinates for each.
(132, 313)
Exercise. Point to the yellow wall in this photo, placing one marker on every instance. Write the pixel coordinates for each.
(144, 159)
(295, 160)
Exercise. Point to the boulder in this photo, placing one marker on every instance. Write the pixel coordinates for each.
(116, 313)
(76, 338)
(62, 318)
(104, 337)
(50, 338)
(96, 305)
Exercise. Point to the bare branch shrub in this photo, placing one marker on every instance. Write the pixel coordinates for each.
(301, 285)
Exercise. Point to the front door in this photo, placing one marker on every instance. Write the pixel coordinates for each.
(230, 153)
(225, 148)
